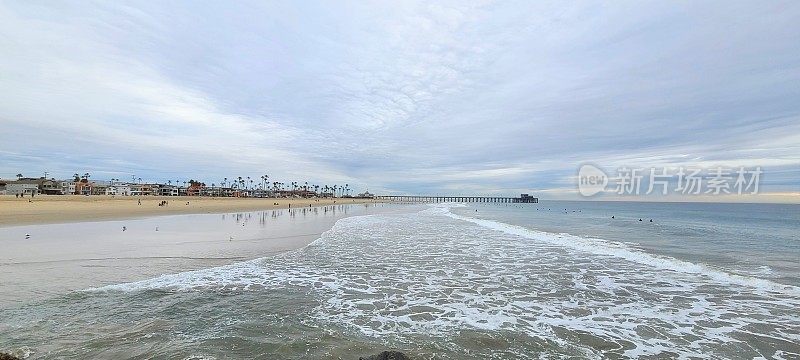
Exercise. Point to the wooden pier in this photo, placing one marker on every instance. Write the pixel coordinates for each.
(523, 199)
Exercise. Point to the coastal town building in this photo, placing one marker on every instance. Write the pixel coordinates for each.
(144, 189)
(168, 190)
(21, 188)
(67, 187)
(118, 190)
(83, 188)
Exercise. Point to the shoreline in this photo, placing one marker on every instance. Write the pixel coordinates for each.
(58, 209)
(73, 255)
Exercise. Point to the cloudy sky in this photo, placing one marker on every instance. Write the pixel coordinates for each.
(399, 96)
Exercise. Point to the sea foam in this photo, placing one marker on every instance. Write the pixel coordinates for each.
(621, 250)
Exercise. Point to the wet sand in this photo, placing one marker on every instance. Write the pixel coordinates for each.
(62, 257)
(44, 209)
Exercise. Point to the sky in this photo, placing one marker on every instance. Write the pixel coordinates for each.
(400, 97)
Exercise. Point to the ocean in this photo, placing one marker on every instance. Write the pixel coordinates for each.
(462, 281)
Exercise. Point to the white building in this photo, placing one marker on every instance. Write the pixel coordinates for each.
(119, 189)
(68, 187)
(168, 190)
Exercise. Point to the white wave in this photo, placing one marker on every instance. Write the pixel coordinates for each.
(620, 250)
(429, 273)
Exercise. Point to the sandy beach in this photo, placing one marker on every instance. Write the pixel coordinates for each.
(44, 209)
(57, 258)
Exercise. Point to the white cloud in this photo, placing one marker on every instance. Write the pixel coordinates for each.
(416, 97)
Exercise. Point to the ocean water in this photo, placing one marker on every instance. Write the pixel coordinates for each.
(549, 280)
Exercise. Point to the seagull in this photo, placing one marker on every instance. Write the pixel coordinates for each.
(27, 236)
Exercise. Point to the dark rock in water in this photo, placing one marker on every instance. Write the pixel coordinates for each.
(387, 355)
(4, 356)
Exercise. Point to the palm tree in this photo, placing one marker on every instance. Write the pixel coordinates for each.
(224, 180)
(75, 176)
(19, 177)
(347, 189)
(86, 176)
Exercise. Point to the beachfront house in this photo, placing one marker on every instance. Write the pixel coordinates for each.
(99, 188)
(296, 193)
(83, 187)
(262, 193)
(144, 189)
(50, 187)
(67, 187)
(26, 186)
(118, 190)
(22, 188)
(195, 188)
(167, 190)
(33, 186)
(226, 191)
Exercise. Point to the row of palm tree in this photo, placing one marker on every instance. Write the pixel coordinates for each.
(248, 183)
